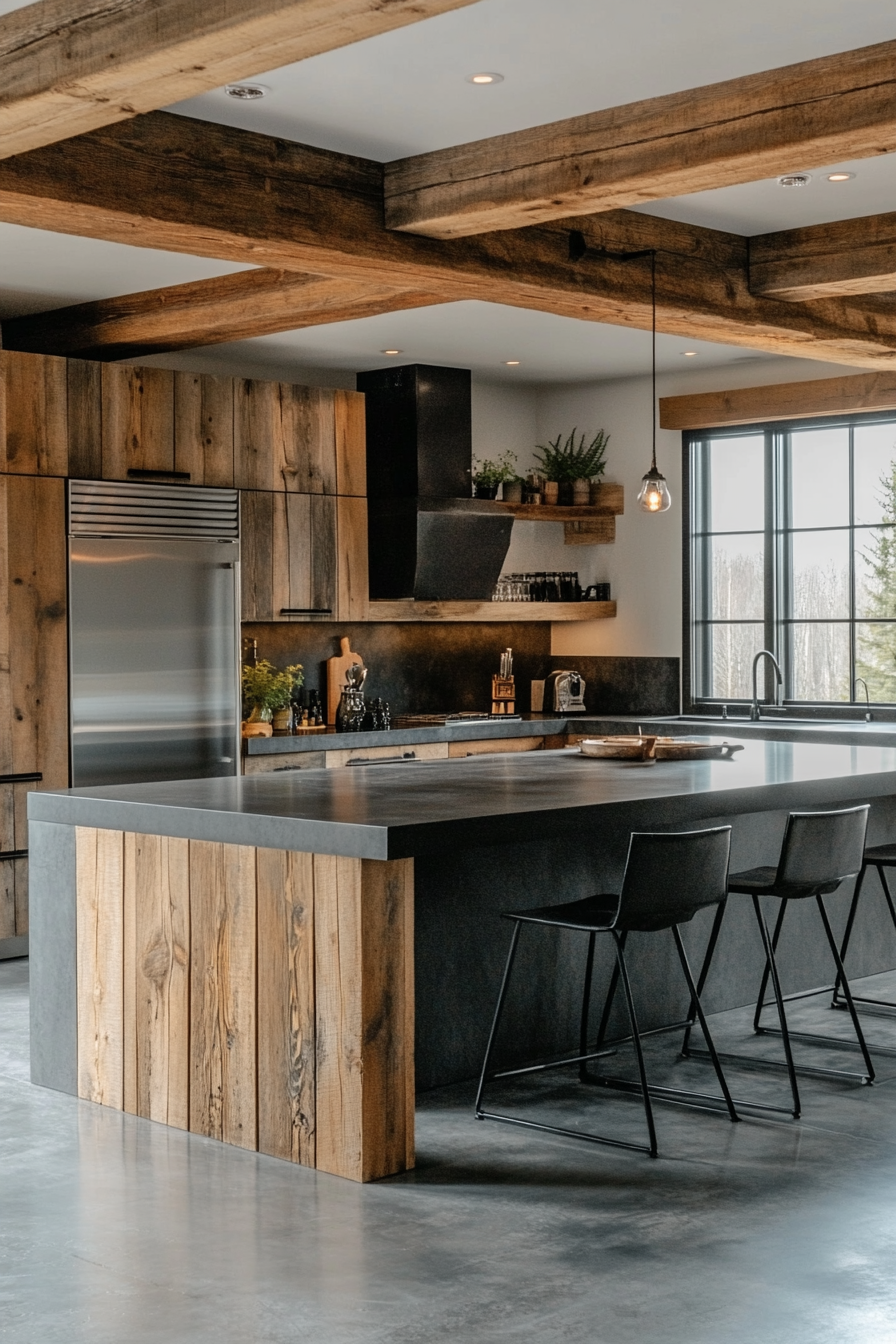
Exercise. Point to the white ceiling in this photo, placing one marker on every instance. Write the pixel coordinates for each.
(406, 92)
(477, 336)
(40, 271)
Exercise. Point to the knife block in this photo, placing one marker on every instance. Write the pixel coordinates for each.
(503, 695)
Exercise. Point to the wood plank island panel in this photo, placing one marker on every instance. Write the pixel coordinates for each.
(259, 997)
(847, 395)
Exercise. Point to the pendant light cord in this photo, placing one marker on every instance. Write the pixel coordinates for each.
(578, 250)
(653, 354)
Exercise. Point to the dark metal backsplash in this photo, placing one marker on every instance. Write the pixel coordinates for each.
(427, 668)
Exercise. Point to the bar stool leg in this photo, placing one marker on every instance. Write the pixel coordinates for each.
(608, 1002)
(704, 1026)
(763, 986)
(502, 995)
(779, 999)
(850, 920)
(704, 974)
(586, 1003)
(847, 993)
(636, 1039)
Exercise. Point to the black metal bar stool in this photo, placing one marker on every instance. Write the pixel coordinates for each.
(820, 851)
(668, 878)
(880, 857)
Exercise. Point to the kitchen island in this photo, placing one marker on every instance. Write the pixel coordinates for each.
(236, 956)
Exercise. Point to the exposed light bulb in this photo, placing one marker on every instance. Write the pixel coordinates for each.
(840, 177)
(511, 363)
(654, 497)
(485, 77)
(391, 352)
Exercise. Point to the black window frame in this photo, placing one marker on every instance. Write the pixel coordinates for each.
(777, 571)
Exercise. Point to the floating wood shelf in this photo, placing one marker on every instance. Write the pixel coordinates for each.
(406, 609)
(612, 502)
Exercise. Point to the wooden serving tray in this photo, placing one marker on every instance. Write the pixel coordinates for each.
(676, 749)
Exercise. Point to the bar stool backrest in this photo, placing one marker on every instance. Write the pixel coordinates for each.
(820, 850)
(669, 876)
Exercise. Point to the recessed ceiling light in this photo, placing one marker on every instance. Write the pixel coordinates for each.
(485, 77)
(689, 354)
(840, 177)
(795, 180)
(246, 93)
(511, 363)
(391, 352)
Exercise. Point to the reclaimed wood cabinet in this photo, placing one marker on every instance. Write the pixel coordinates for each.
(304, 557)
(33, 670)
(115, 422)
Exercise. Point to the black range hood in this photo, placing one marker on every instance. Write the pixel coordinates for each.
(427, 538)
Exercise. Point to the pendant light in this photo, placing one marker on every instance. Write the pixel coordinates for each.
(653, 497)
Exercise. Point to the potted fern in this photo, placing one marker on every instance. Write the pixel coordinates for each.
(572, 462)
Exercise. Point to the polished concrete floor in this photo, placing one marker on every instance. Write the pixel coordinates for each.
(118, 1231)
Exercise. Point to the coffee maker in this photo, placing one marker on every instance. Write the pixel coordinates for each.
(565, 692)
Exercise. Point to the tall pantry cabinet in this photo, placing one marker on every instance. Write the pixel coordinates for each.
(296, 454)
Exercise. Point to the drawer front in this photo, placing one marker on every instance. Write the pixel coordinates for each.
(288, 760)
(421, 751)
(492, 745)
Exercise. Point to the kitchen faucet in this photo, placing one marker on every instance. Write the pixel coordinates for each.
(763, 653)
(867, 697)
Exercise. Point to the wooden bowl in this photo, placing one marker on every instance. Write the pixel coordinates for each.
(618, 748)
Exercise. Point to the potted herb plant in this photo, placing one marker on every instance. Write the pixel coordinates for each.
(488, 475)
(572, 461)
(267, 691)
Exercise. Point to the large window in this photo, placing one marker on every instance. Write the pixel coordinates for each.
(792, 540)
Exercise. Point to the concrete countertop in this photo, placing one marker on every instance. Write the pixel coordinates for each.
(398, 811)
(331, 740)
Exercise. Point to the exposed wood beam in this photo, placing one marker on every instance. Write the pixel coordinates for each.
(741, 130)
(67, 66)
(205, 312)
(167, 182)
(851, 256)
(847, 395)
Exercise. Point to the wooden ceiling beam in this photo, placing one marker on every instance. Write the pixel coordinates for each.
(799, 116)
(205, 312)
(67, 66)
(167, 182)
(850, 256)
(849, 394)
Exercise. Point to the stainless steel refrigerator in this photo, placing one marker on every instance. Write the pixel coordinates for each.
(154, 632)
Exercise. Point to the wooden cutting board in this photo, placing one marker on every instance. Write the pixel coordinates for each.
(336, 670)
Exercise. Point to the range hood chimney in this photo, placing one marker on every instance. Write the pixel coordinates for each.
(427, 538)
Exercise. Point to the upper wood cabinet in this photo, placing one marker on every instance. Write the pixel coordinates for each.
(69, 417)
(304, 557)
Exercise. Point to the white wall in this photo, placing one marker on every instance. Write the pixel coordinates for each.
(644, 564)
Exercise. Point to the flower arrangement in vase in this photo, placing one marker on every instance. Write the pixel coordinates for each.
(267, 691)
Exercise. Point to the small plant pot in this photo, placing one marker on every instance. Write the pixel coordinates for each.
(282, 720)
(485, 491)
(551, 492)
(260, 714)
(564, 492)
(581, 492)
(513, 492)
